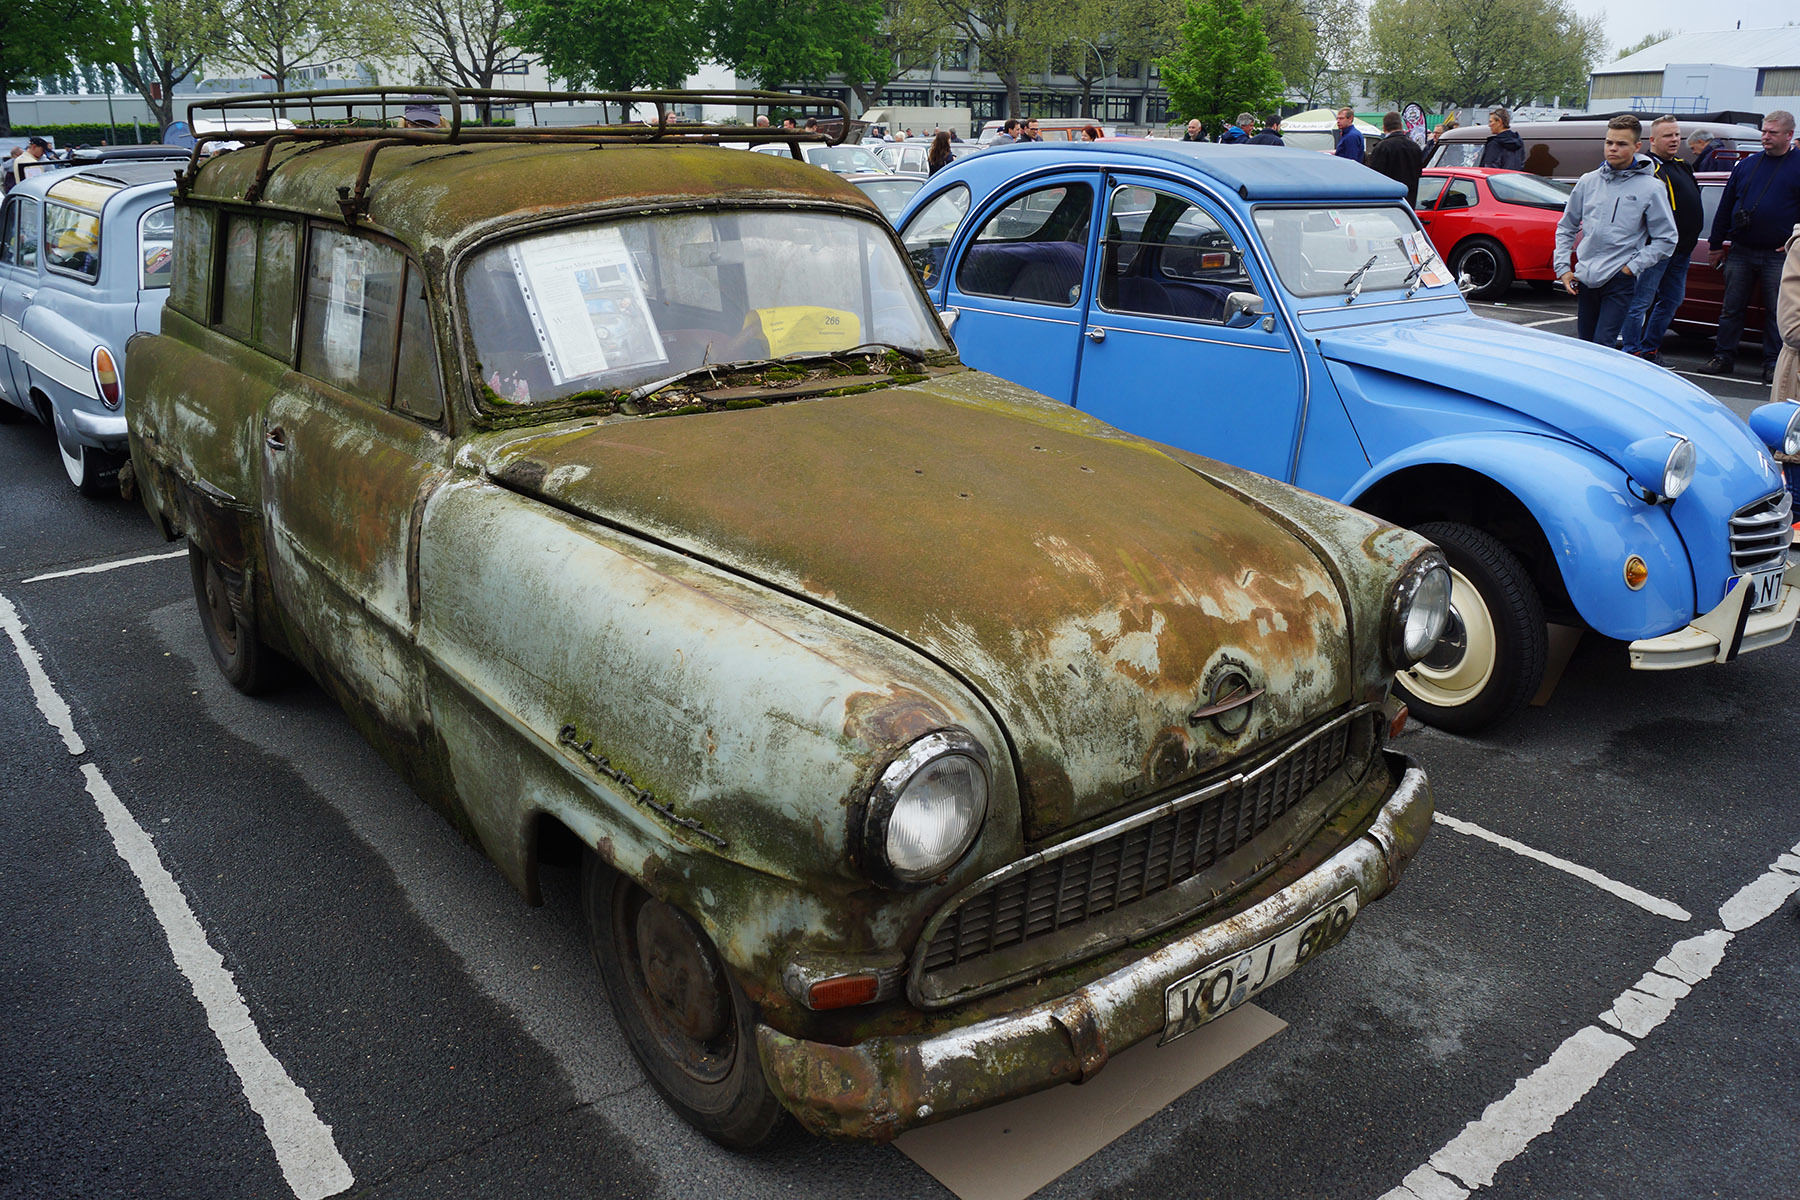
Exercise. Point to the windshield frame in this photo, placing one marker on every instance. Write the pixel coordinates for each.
(1334, 298)
(496, 234)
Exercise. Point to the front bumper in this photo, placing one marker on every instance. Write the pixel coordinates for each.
(1725, 632)
(877, 1088)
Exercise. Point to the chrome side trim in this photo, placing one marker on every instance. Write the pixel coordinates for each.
(1182, 337)
(965, 306)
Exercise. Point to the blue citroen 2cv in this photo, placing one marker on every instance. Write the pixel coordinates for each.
(1284, 311)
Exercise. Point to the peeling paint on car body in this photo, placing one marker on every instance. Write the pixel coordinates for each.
(695, 641)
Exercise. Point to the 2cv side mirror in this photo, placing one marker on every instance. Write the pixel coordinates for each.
(1242, 309)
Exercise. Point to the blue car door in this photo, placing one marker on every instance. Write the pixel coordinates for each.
(1017, 282)
(1185, 343)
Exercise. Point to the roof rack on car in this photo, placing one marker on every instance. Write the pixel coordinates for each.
(378, 116)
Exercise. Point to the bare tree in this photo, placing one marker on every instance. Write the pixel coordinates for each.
(1008, 35)
(276, 37)
(168, 40)
(464, 43)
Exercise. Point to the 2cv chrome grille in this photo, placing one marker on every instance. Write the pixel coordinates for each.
(1092, 876)
(1760, 533)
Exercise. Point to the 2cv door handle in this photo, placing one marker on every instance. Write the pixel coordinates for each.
(276, 438)
(1096, 333)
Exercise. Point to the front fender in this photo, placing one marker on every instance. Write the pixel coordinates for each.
(1590, 519)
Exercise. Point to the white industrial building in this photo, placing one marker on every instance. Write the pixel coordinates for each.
(1742, 70)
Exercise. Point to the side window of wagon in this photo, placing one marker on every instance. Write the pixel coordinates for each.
(190, 287)
(156, 244)
(366, 328)
(256, 289)
(1164, 256)
(1034, 249)
(9, 232)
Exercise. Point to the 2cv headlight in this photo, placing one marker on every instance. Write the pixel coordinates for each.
(926, 808)
(1418, 610)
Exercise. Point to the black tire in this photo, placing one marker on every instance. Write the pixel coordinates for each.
(1488, 264)
(700, 1055)
(247, 664)
(1540, 285)
(1490, 661)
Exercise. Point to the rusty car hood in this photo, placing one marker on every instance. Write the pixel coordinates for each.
(1087, 585)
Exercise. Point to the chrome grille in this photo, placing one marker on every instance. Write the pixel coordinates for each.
(1761, 532)
(1098, 877)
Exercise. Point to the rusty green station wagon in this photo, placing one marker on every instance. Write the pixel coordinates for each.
(921, 742)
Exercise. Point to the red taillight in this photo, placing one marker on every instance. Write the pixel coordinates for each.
(842, 991)
(106, 376)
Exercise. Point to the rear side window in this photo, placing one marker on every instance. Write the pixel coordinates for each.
(9, 232)
(256, 289)
(28, 233)
(72, 241)
(1033, 250)
(156, 242)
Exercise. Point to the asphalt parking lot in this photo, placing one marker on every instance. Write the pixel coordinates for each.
(245, 960)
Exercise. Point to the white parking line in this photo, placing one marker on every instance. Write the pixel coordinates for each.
(106, 566)
(1624, 891)
(1473, 1157)
(1546, 321)
(303, 1145)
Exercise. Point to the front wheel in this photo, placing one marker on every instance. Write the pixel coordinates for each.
(1487, 264)
(1491, 658)
(683, 1015)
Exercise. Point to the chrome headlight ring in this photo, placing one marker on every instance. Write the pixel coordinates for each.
(1418, 610)
(925, 809)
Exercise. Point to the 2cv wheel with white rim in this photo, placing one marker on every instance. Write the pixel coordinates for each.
(1490, 659)
(685, 1018)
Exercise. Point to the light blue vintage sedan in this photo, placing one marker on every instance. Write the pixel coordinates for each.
(84, 264)
(1285, 312)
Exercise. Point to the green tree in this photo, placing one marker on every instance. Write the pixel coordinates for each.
(1011, 38)
(1100, 35)
(908, 33)
(776, 42)
(168, 40)
(1315, 43)
(49, 39)
(1221, 66)
(274, 37)
(614, 45)
(1645, 42)
(1480, 52)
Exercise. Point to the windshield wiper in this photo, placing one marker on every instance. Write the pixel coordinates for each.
(1353, 285)
(762, 364)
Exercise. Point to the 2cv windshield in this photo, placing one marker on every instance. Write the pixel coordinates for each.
(619, 304)
(1327, 251)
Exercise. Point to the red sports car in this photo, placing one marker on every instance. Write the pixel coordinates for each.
(1495, 225)
(1698, 315)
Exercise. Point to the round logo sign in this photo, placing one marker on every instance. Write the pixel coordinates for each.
(1412, 119)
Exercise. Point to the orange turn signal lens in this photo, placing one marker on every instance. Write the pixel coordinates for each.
(1398, 724)
(842, 991)
(1636, 572)
(106, 376)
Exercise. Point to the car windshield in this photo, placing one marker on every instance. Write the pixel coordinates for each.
(611, 307)
(1532, 190)
(1329, 251)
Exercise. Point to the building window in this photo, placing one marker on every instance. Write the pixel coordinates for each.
(1778, 81)
(1624, 85)
(1118, 108)
(1156, 110)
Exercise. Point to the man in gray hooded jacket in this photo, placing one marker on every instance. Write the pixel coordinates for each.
(1619, 215)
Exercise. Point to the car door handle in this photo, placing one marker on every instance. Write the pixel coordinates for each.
(276, 439)
(1095, 333)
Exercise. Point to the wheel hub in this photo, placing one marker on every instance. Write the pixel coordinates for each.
(681, 973)
(1451, 646)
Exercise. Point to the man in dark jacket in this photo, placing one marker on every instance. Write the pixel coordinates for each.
(1706, 150)
(1194, 132)
(1398, 156)
(1504, 148)
(1237, 133)
(1271, 133)
(1661, 287)
(1350, 138)
(1758, 211)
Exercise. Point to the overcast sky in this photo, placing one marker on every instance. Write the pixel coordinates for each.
(1629, 20)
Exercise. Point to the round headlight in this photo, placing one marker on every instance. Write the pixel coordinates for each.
(1420, 610)
(926, 808)
(1679, 471)
(1790, 443)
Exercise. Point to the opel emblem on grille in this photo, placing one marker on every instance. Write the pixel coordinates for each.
(1228, 701)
